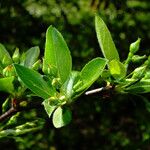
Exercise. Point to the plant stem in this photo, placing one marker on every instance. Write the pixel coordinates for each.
(8, 113)
(98, 90)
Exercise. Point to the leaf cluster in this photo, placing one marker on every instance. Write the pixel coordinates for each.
(53, 79)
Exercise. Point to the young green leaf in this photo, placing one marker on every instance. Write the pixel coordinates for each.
(117, 69)
(16, 56)
(34, 81)
(57, 54)
(6, 84)
(138, 59)
(67, 87)
(105, 40)
(90, 73)
(6, 104)
(139, 72)
(48, 108)
(61, 117)
(5, 58)
(31, 56)
(25, 128)
(142, 86)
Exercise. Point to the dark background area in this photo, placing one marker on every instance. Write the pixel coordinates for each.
(112, 123)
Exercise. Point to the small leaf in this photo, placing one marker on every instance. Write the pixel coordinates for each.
(16, 56)
(61, 117)
(48, 108)
(105, 40)
(5, 58)
(138, 59)
(31, 56)
(34, 81)
(6, 84)
(139, 72)
(117, 69)
(6, 105)
(91, 71)
(28, 127)
(142, 86)
(67, 87)
(57, 54)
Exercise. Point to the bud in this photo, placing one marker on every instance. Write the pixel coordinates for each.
(16, 56)
(56, 82)
(137, 58)
(13, 119)
(9, 71)
(147, 62)
(23, 104)
(134, 47)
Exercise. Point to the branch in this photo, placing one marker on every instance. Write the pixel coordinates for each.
(16, 107)
(94, 91)
(8, 113)
(98, 90)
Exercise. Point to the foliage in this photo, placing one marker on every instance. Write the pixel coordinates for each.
(123, 119)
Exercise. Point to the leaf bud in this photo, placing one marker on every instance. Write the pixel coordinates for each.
(134, 47)
(56, 82)
(16, 56)
(9, 71)
(137, 58)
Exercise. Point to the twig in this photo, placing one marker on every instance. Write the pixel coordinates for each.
(94, 91)
(17, 108)
(8, 113)
(98, 90)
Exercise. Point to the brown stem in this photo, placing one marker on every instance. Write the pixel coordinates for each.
(8, 114)
(17, 108)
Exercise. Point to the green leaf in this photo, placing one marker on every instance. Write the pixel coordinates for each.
(57, 54)
(31, 56)
(6, 84)
(117, 69)
(67, 87)
(48, 108)
(139, 72)
(5, 58)
(6, 105)
(142, 86)
(91, 72)
(61, 117)
(34, 81)
(28, 127)
(16, 56)
(105, 40)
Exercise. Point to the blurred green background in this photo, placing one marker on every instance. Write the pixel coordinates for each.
(112, 123)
